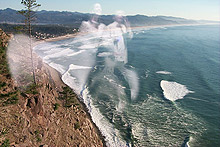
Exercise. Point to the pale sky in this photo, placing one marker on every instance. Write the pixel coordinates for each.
(191, 9)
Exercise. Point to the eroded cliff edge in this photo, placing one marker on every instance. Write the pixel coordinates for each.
(46, 114)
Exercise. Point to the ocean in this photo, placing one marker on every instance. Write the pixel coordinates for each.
(158, 87)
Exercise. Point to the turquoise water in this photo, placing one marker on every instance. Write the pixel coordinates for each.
(186, 57)
(192, 55)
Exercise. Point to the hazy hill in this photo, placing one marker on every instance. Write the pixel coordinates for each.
(75, 18)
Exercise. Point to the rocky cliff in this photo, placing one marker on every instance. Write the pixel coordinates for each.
(3, 38)
(46, 114)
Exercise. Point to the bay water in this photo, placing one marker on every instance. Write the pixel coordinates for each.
(166, 94)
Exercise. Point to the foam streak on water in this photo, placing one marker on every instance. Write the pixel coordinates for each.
(75, 59)
(74, 74)
(164, 72)
(136, 99)
(174, 91)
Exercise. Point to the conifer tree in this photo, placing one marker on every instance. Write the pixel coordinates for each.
(29, 14)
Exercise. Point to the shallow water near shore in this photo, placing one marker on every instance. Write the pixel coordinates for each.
(178, 72)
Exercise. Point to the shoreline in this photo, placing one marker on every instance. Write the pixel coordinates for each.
(74, 35)
(57, 78)
(68, 36)
(43, 111)
(58, 81)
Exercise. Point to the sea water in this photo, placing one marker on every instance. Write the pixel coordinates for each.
(177, 89)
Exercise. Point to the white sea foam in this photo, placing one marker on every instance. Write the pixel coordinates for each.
(82, 38)
(58, 67)
(76, 77)
(54, 50)
(88, 46)
(71, 82)
(114, 82)
(45, 46)
(164, 72)
(147, 73)
(139, 131)
(174, 91)
(104, 54)
(78, 68)
(189, 142)
(72, 67)
(76, 53)
(107, 42)
(59, 53)
(112, 135)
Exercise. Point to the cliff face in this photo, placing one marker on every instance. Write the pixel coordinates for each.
(3, 38)
(48, 114)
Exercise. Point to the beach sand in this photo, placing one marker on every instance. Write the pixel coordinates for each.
(55, 77)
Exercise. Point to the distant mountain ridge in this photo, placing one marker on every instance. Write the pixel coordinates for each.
(75, 18)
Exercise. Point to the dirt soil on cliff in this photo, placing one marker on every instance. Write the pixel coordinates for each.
(46, 114)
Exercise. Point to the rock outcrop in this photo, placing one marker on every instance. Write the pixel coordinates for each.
(3, 38)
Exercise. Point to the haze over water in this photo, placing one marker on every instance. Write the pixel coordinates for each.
(144, 87)
(177, 69)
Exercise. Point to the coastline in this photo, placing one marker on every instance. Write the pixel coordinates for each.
(74, 35)
(68, 36)
(56, 77)
(41, 115)
(54, 39)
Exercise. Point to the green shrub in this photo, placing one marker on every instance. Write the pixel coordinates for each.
(32, 89)
(5, 143)
(76, 125)
(2, 84)
(55, 107)
(11, 100)
(3, 131)
(68, 96)
(37, 135)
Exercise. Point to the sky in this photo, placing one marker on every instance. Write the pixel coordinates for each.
(191, 9)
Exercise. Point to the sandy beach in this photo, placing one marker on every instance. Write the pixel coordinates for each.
(132, 28)
(57, 76)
